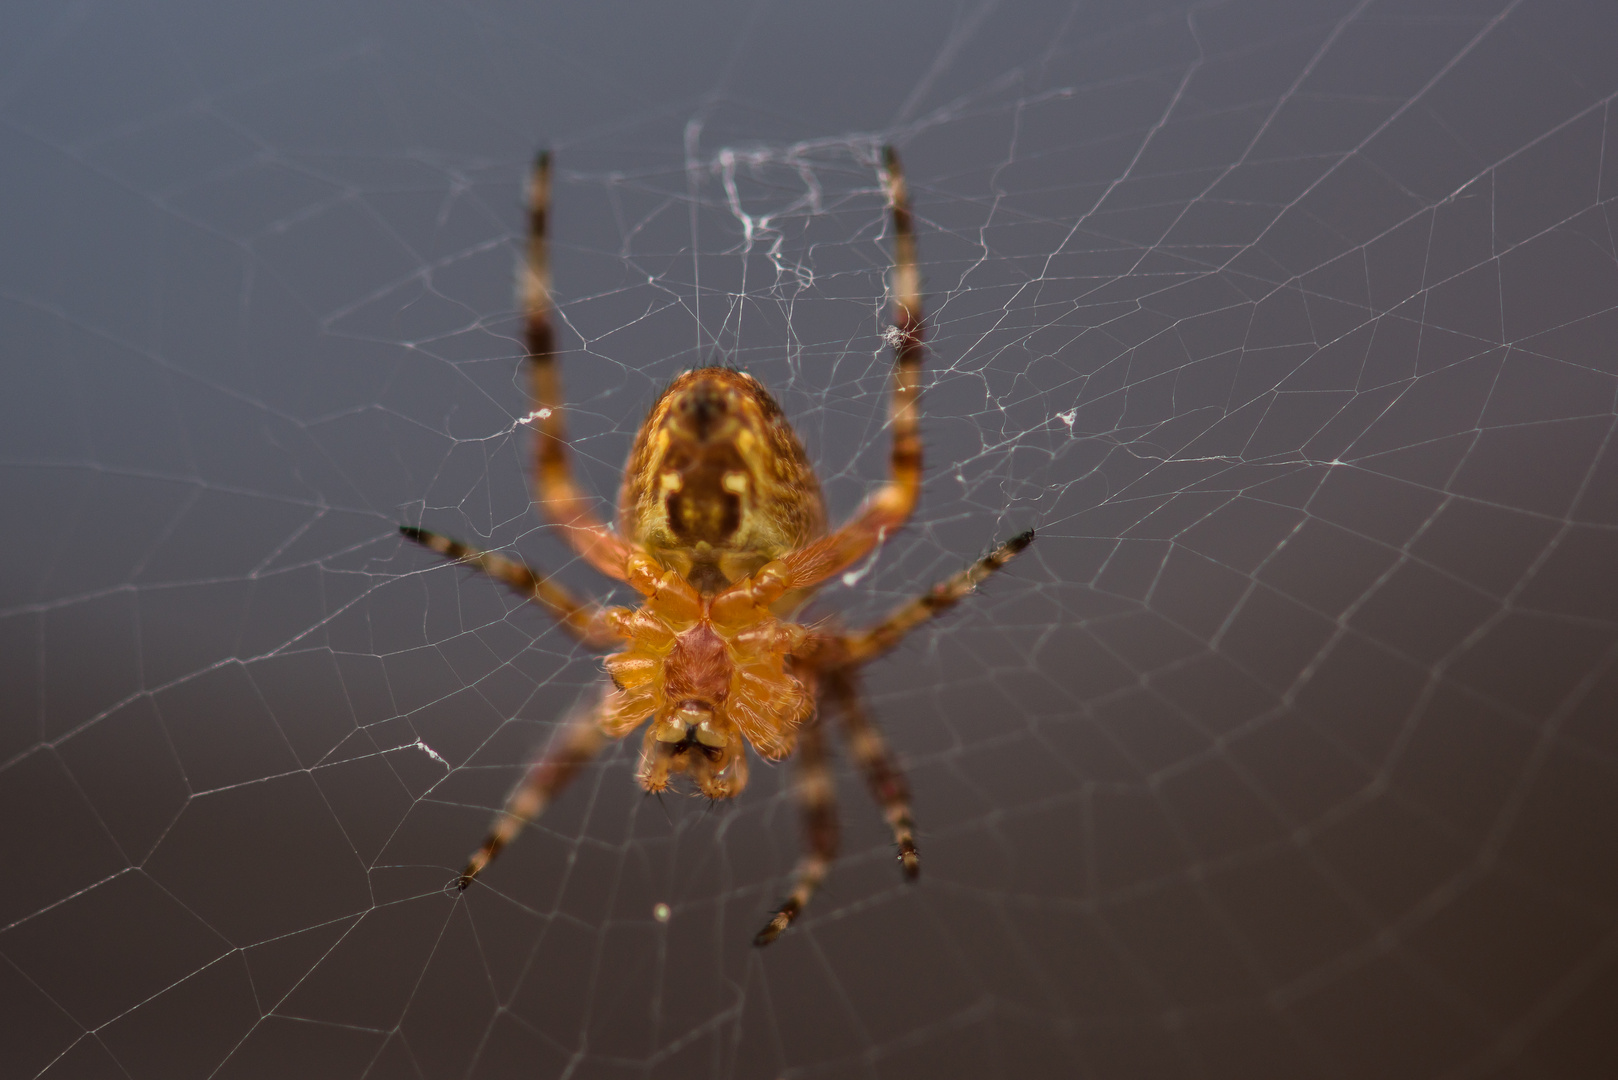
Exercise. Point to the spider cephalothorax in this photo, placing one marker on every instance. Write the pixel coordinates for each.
(722, 532)
(710, 671)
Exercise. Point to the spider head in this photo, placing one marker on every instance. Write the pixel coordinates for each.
(692, 738)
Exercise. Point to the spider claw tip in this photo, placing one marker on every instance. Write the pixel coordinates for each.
(1021, 540)
(777, 926)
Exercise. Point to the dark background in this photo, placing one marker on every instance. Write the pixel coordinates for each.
(1289, 749)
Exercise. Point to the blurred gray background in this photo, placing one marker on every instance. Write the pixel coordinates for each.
(1289, 749)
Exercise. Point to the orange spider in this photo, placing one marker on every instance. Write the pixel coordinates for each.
(722, 530)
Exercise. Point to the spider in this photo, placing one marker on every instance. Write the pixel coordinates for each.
(722, 532)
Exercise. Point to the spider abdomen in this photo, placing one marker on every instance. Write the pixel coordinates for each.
(717, 483)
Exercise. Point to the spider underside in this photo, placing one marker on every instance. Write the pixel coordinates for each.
(722, 531)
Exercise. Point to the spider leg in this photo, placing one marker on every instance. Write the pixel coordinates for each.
(561, 499)
(863, 645)
(571, 749)
(817, 798)
(875, 759)
(889, 506)
(585, 621)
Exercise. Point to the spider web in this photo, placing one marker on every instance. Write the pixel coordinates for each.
(1287, 750)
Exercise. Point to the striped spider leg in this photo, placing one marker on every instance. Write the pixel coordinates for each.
(837, 659)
